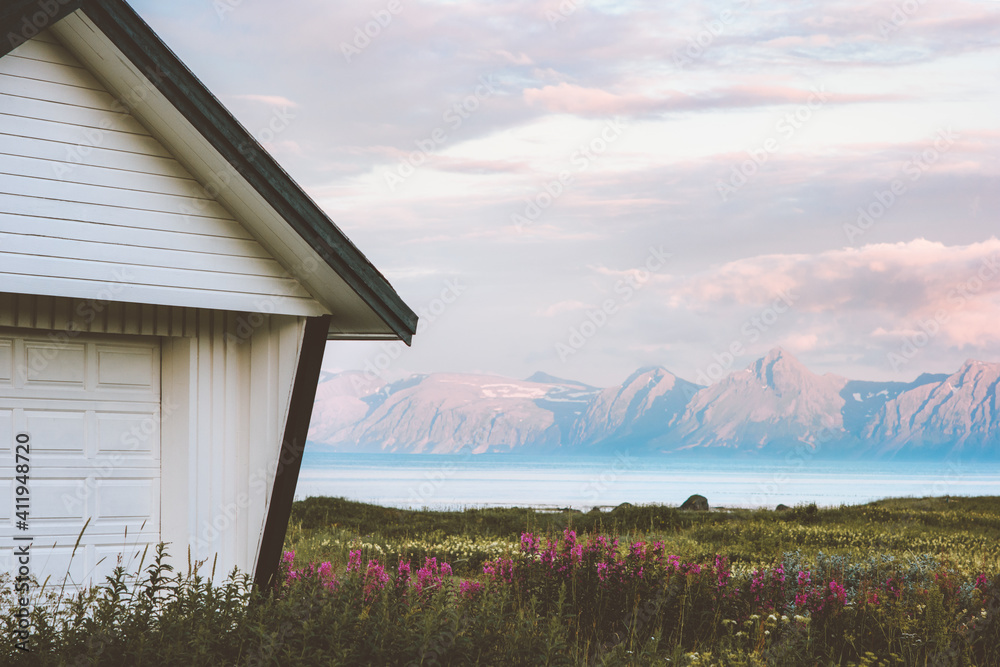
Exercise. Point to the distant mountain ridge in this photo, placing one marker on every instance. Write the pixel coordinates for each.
(773, 407)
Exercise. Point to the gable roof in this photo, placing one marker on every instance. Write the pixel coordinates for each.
(161, 92)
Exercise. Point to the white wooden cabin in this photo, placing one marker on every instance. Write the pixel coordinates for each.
(166, 294)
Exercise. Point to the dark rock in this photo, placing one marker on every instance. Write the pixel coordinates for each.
(696, 503)
(782, 508)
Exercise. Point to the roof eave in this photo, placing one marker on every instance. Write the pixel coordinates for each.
(22, 19)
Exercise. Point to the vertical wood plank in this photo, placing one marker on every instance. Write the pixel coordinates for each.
(43, 312)
(6, 310)
(25, 311)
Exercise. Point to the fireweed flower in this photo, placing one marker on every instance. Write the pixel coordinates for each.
(837, 593)
(501, 569)
(354, 560)
(468, 590)
(375, 579)
(722, 571)
(429, 577)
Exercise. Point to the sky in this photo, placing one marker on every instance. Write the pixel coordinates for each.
(585, 188)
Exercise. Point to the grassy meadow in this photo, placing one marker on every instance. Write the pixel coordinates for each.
(894, 582)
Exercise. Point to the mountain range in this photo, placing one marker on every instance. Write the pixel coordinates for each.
(774, 407)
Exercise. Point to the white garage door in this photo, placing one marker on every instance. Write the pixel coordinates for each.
(91, 408)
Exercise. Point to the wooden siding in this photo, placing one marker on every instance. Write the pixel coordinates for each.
(226, 384)
(67, 317)
(226, 396)
(90, 201)
(353, 315)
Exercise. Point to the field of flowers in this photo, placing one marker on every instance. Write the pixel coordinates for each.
(898, 582)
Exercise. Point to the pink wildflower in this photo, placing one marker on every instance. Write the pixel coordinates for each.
(500, 569)
(375, 579)
(570, 537)
(469, 589)
(837, 592)
(722, 571)
(354, 560)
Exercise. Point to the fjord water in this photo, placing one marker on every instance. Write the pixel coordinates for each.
(457, 481)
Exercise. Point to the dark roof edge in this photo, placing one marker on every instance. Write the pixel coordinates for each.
(137, 41)
(20, 20)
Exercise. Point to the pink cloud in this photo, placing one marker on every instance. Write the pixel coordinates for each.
(573, 99)
(269, 100)
(903, 286)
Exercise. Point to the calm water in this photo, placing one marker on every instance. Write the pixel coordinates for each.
(497, 480)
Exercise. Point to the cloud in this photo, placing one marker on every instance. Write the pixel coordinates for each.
(269, 100)
(573, 99)
(903, 287)
(563, 307)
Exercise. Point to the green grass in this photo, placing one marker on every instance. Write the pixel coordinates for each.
(964, 531)
(908, 569)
